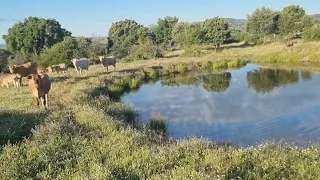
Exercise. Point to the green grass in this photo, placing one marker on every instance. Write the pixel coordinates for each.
(220, 65)
(158, 123)
(87, 135)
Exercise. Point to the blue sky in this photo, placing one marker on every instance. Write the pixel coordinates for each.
(84, 17)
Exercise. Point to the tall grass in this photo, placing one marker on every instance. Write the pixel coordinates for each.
(158, 123)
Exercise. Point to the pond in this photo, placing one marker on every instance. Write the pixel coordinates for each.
(243, 107)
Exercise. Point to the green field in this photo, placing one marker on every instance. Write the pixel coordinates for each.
(88, 135)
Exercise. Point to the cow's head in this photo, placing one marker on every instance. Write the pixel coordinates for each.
(12, 68)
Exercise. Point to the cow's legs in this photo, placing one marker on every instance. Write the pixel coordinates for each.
(36, 100)
(46, 100)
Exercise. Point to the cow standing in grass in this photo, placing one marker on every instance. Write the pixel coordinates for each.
(39, 86)
(11, 79)
(80, 64)
(108, 61)
(24, 70)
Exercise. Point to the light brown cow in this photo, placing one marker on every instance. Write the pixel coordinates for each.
(289, 43)
(39, 86)
(11, 79)
(24, 70)
(49, 69)
(108, 61)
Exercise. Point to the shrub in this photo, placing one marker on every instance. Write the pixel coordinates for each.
(206, 65)
(192, 52)
(181, 68)
(220, 65)
(135, 83)
(148, 50)
(158, 123)
(234, 64)
(312, 34)
(153, 74)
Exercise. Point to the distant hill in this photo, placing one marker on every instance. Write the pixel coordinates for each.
(316, 17)
(238, 24)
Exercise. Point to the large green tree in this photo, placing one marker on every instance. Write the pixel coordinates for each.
(33, 35)
(262, 21)
(187, 34)
(215, 31)
(163, 30)
(124, 34)
(61, 52)
(293, 19)
(4, 55)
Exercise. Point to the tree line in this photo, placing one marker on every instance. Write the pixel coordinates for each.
(44, 40)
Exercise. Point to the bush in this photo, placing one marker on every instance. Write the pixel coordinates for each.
(145, 51)
(135, 83)
(220, 65)
(312, 34)
(181, 68)
(192, 52)
(158, 123)
(4, 55)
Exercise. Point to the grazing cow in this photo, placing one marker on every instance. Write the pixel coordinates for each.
(289, 43)
(63, 67)
(24, 70)
(50, 69)
(108, 61)
(11, 79)
(39, 86)
(80, 64)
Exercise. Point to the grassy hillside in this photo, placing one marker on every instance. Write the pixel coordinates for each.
(316, 17)
(88, 134)
(2, 46)
(239, 24)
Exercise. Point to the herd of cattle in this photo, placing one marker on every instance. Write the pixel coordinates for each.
(38, 79)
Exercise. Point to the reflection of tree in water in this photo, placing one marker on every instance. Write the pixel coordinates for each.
(217, 82)
(265, 80)
(180, 80)
(305, 75)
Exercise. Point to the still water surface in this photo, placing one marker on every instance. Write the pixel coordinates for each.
(243, 107)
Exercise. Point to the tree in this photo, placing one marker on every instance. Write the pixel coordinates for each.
(34, 35)
(312, 34)
(61, 52)
(217, 82)
(82, 50)
(215, 31)
(124, 34)
(262, 22)
(96, 48)
(163, 30)
(293, 19)
(187, 34)
(4, 55)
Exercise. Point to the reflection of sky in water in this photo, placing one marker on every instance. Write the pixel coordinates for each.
(239, 115)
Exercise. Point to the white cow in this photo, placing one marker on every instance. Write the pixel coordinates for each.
(108, 61)
(80, 64)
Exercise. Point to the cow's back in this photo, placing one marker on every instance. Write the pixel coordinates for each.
(82, 63)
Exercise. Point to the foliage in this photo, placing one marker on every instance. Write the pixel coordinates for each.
(312, 34)
(163, 30)
(124, 34)
(158, 123)
(147, 50)
(135, 83)
(96, 49)
(61, 52)
(82, 50)
(238, 36)
(4, 55)
(220, 65)
(215, 31)
(192, 51)
(187, 34)
(181, 68)
(262, 21)
(34, 35)
(293, 19)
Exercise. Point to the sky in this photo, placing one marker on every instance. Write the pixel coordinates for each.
(87, 18)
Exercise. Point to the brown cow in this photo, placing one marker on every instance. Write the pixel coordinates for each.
(11, 79)
(39, 86)
(24, 70)
(289, 43)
